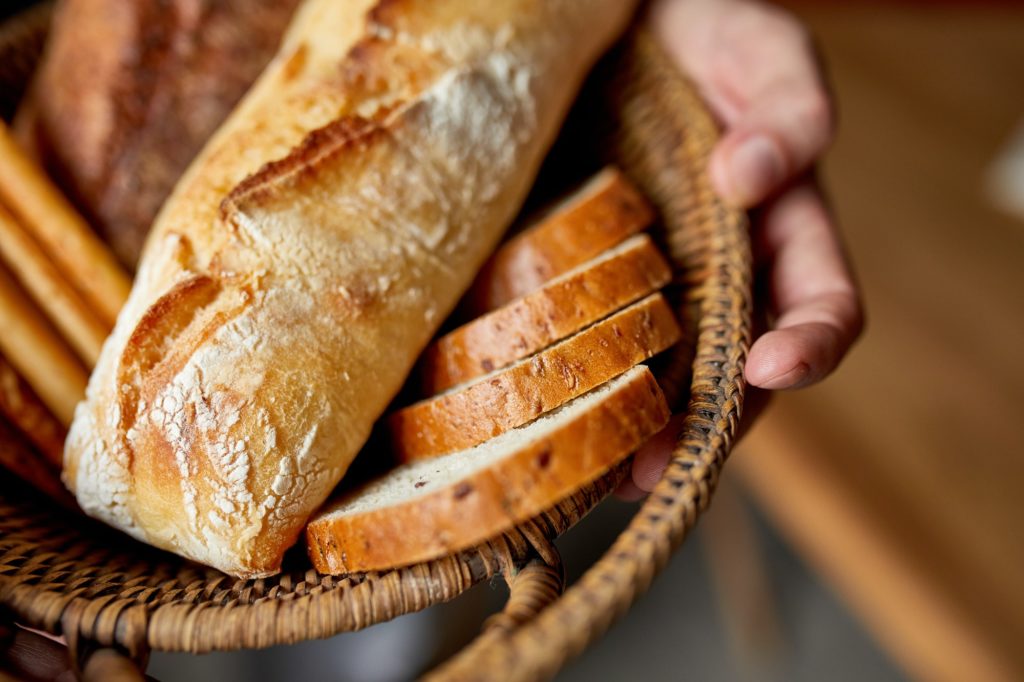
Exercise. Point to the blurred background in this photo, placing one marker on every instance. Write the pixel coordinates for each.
(869, 528)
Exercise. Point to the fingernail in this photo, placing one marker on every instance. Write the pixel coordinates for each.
(794, 378)
(756, 169)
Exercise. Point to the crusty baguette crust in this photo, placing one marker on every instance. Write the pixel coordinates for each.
(606, 211)
(128, 92)
(495, 498)
(558, 309)
(309, 254)
(514, 396)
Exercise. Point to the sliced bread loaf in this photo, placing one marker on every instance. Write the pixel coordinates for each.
(533, 322)
(468, 415)
(430, 508)
(604, 212)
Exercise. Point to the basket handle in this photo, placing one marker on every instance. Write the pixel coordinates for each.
(531, 589)
(110, 665)
(533, 586)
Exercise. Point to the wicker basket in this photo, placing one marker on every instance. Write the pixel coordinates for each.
(104, 592)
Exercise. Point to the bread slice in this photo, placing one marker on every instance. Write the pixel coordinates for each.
(604, 212)
(560, 308)
(469, 415)
(431, 508)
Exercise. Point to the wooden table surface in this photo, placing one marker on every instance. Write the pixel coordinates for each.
(901, 479)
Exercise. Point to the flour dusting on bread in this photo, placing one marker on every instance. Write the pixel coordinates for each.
(307, 257)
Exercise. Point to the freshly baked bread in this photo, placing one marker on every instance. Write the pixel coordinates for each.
(434, 507)
(466, 416)
(560, 308)
(309, 254)
(604, 212)
(128, 92)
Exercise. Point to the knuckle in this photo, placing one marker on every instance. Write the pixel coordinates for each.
(817, 114)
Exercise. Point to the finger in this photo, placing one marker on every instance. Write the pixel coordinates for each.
(777, 139)
(782, 117)
(758, 69)
(819, 313)
(650, 460)
(629, 492)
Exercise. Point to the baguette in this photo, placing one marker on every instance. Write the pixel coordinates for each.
(467, 416)
(434, 507)
(560, 308)
(309, 254)
(127, 93)
(604, 212)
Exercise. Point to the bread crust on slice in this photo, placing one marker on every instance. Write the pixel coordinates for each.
(494, 487)
(560, 308)
(465, 417)
(604, 212)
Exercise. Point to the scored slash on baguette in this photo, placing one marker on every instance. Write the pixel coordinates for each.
(430, 508)
(560, 308)
(466, 416)
(600, 215)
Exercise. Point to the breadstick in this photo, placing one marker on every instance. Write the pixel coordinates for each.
(63, 234)
(23, 409)
(65, 308)
(17, 457)
(38, 354)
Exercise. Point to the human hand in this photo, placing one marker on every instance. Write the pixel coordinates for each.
(756, 67)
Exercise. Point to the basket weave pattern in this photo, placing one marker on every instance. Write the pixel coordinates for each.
(70, 576)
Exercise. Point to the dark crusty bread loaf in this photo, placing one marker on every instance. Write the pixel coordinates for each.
(308, 256)
(434, 507)
(466, 416)
(128, 93)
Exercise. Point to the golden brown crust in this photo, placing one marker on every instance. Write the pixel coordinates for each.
(548, 315)
(516, 395)
(496, 498)
(273, 319)
(601, 215)
(128, 93)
